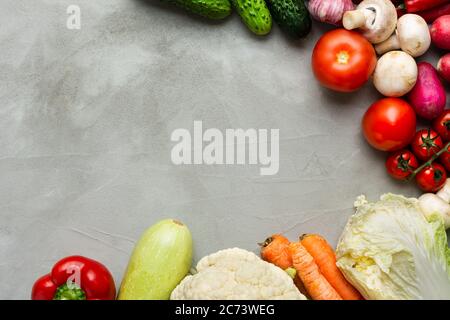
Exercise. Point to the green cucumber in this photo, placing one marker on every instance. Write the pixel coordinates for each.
(255, 15)
(292, 16)
(160, 260)
(212, 9)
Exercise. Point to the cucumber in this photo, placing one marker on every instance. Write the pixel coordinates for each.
(212, 9)
(160, 260)
(255, 15)
(292, 16)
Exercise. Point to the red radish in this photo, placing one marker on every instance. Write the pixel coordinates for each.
(440, 32)
(428, 95)
(444, 67)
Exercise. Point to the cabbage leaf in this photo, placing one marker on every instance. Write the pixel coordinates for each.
(389, 250)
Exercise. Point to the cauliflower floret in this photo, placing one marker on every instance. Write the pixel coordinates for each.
(236, 274)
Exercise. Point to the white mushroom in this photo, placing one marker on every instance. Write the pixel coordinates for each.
(431, 204)
(395, 74)
(377, 19)
(412, 36)
(438, 203)
(444, 193)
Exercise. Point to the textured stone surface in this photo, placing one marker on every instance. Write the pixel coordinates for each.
(85, 123)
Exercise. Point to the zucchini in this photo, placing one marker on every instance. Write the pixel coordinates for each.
(160, 260)
(255, 15)
(212, 9)
(292, 16)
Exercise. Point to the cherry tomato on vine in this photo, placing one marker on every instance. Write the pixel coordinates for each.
(389, 124)
(343, 60)
(431, 178)
(444, 159)
(401, 164)
(426, 143)
(442, 125)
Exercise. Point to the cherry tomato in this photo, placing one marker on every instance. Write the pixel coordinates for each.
(431, 178)
(426, 143)
(442, 125)
(445, 159)
(401, 164)
(343, 60)
(389, 124)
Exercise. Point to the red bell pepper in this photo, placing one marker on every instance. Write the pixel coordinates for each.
(401, 10)
(421, 5)
(75, 278)
(434, 13)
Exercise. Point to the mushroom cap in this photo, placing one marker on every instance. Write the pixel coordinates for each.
(413, 34)
(381, 21)
(395, 74)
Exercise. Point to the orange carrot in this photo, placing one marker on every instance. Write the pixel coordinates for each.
(315, 283)
(275, 250)
(325, 258)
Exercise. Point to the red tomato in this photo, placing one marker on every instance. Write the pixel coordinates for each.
(442, 125)
(431, 178)
(389, 124)
(445, 159)
(401, 164)
(343, 60)
(426, 143)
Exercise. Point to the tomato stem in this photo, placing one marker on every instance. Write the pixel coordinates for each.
(342, 57)
(429, 162)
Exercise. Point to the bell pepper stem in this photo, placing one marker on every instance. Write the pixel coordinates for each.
(72, 292)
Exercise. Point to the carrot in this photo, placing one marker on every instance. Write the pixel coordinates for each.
(276, 251)
(325, 258)
(315, 283)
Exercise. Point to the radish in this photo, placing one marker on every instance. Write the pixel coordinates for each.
(444, 67)
(440, 32)
(428, 95)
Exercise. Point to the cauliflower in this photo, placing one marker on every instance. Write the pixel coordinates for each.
(236, 274)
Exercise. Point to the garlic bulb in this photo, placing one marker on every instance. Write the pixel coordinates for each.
(329, 11)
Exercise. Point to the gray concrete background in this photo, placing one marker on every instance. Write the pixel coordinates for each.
(85, 124)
